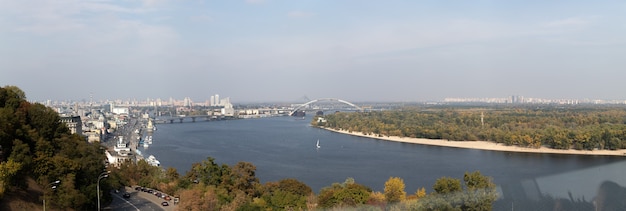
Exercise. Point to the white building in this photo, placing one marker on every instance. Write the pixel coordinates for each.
(120, 111)
(120, 154)
(228, 110)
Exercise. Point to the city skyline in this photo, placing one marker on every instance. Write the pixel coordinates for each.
(280, 51)
(187, 101)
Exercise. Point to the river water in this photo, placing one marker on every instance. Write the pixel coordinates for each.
(284, 147)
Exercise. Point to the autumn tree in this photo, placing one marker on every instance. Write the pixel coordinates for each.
(420, 193)
(244, 178)
(377, 199)
(197, 200)
(394, 190)
(8, 170)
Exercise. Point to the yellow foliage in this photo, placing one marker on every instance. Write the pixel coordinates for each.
(377, 198)
(394, 190)
(420, 193)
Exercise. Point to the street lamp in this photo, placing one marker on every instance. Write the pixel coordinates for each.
(102, 176)
(52, 185)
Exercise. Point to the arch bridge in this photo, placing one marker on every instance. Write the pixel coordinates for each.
(325, 99)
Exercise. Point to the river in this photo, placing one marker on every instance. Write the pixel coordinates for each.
(284, 147)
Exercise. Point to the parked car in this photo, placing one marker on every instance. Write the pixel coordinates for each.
(165, 203)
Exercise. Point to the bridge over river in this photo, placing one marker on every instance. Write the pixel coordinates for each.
(191, 118)
(194, 118)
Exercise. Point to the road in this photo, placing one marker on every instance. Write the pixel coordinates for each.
(138, 201)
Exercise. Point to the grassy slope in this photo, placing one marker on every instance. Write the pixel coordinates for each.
(29, 199)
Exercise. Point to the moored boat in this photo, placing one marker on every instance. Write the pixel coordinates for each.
(153, 161)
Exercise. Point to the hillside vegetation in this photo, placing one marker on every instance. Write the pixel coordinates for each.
(35, 145)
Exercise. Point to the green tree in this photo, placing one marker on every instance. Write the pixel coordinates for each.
(347, 194)
(285, 194)
(447, 185)
(207, 172)
(481, 191)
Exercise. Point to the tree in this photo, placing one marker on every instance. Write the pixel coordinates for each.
(420, 193)
(8, 170)
(480, 193)
(394, 190)
(284, 194)
(377, 199)
(207, 172)
(197, 200)
(244, 178)
(347, 194)
(447, 185)
(171, 174)
(294, 186)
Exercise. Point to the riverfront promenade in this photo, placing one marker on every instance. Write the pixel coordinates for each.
(482, 145)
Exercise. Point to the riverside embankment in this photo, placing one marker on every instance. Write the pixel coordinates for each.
(482, 145)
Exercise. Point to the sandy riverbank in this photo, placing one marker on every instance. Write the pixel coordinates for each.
(484, 145)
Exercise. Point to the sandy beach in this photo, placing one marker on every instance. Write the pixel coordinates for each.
(483, 145)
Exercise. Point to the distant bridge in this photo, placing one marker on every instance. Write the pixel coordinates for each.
(180, 119)
(325, 99)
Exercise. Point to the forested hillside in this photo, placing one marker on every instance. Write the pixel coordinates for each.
(582, 128)
(36, 145)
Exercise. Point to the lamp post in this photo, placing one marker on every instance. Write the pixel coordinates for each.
(103, 175)
(52, 185)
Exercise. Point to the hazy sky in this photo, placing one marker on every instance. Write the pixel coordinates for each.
(271, 50)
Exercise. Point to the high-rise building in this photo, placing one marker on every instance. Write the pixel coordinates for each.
(212, 101)
(224, 101)
(217, 100)
(187, 102)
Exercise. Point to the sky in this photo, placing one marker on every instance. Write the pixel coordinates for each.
(283, 50)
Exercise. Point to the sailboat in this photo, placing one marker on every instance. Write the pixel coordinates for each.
(318, 144)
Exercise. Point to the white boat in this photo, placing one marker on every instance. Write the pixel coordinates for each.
(153, 161)
(318, 144)
(150, 125)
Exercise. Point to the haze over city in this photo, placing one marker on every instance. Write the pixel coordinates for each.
(265, 50)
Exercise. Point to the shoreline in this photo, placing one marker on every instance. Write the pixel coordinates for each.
(482, 145)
